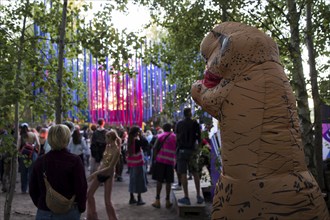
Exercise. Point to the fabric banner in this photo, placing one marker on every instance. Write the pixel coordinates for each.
(215, 160)
(326, 140)
(109, 99)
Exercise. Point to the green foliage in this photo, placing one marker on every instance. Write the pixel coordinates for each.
(7, 146)
(184, 25)
(37, 89)
(321, 21)
(325, 90)
(103, 39)
(14, 90)
(204, 156)
(273, 18)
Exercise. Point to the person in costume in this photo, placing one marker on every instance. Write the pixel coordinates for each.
(264, 174)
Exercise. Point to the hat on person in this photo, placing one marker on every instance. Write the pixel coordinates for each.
(24, 125)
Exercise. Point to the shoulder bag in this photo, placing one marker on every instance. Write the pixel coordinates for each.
(159, 145)
(56, 202)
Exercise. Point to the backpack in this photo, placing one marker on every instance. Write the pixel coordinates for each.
(27, 150)
(98, 145)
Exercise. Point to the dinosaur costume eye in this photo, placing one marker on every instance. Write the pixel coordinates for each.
(223, 41)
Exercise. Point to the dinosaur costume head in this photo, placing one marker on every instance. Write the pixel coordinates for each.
(264, 175)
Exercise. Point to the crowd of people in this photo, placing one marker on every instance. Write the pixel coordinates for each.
(87, 158)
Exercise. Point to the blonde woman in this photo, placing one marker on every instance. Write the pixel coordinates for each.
(105, 175)
(65, 173)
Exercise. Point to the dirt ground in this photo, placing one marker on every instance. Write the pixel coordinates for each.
(23, 208)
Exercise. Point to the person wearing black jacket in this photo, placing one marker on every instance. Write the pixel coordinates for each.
(98, 145)
(152, 143)
(188, 134)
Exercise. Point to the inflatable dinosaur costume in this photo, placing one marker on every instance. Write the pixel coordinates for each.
(264, 175)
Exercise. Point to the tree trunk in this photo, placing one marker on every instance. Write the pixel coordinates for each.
(58, 104)
(13, 170)
(316, 96)
(11, 189)
(224, 15)
(299, 86)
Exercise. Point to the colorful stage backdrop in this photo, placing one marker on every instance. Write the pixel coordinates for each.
(124, 100)
(118, 98)
(326, 140)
